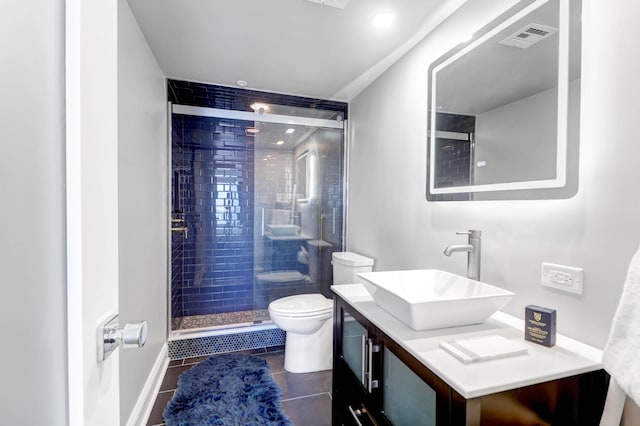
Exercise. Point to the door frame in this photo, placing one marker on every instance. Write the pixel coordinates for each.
(91, 106)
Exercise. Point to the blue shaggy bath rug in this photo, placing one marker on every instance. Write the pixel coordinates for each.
(227, 390)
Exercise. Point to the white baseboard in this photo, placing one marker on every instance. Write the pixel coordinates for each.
(142, 410)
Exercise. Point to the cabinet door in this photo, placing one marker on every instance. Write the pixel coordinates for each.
(354, 410)
(354, 341)
(355, 397)
(359, 351)
(407, 399)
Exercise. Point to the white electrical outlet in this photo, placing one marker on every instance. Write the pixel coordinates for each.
(565, 278)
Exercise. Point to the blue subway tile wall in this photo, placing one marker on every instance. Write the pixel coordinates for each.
(454, 156)
(282, 256)
(213, 197)
(454, 162)
(213, 257)
(209, 345)
(223, 97)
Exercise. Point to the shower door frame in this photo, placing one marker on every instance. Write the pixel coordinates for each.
(173, 108)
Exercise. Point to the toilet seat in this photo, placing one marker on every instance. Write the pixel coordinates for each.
(302, 305)
(302, 317)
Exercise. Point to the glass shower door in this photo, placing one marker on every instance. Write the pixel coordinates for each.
(298, 209)
(256, 212)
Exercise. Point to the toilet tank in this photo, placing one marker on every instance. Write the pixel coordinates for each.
(346, 265)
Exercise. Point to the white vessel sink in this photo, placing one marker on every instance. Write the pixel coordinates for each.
(277, 230)
(425, 299)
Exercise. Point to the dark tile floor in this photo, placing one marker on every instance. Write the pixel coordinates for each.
(306, 397)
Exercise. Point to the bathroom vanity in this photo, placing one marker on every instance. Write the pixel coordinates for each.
(386, 373)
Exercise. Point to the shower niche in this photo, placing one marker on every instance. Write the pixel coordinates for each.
(256, 201)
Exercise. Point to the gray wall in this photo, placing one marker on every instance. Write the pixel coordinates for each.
(524, 132)
(597, 229)
(32, 253)
(142, 201)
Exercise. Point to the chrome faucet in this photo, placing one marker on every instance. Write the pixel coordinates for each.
(473, 252)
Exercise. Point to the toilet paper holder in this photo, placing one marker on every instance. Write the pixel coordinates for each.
(110, 336)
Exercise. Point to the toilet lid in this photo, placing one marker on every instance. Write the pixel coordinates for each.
(302, 304)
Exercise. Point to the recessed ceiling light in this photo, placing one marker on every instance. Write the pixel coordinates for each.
(280, 143)
(383, 20)
(259, 107)
(290, 131)
(251, 130)
(241, 83)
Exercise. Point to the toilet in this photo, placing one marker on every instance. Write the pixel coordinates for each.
(308, 318)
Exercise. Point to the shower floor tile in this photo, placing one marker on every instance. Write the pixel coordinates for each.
(306, 397)
(219, 320)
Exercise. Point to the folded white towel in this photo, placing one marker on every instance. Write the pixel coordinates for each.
(620, 356)
(483, 348)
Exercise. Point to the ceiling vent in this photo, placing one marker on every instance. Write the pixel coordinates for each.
(529, 35)
(340, 4)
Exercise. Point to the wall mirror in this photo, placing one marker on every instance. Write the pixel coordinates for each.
(504, 108)
(301, 174)
(307, 175)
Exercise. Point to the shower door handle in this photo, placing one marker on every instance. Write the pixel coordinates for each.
(262, 222)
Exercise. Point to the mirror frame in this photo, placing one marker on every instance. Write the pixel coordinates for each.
(536, 189)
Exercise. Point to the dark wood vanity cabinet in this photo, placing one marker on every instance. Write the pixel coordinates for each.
(377, 382)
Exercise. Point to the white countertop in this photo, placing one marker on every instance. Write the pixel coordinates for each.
(567, 358)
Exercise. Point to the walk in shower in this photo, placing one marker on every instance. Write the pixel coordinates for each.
(256, 200)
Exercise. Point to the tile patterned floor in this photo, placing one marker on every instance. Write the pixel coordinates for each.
(306, 397)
